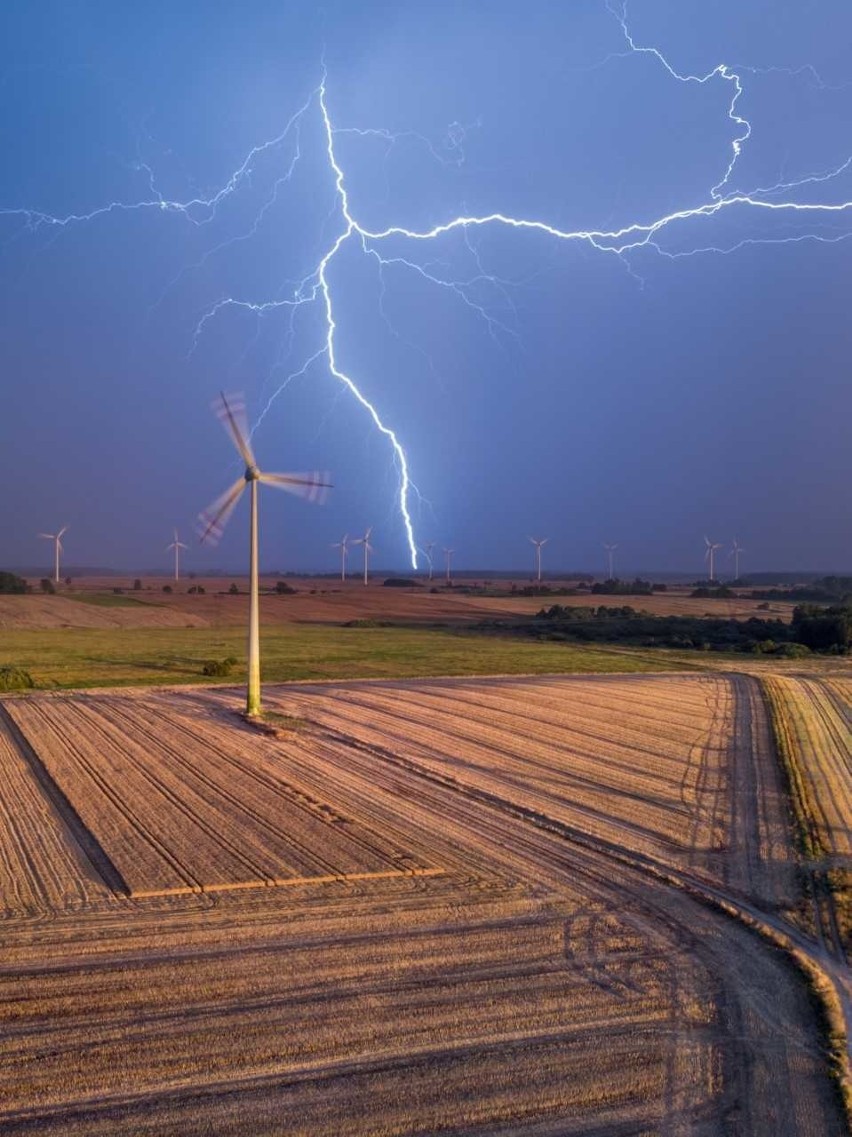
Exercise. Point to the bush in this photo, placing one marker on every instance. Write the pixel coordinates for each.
(822, 628)
(10, 583)
(196, 590)
(15, 679)
(118, 591)
(137, 585)
(219, 667)
(47, 585)
(233, 590)
(401, 582)
(166, 588)
(282, 588)
(792, 651)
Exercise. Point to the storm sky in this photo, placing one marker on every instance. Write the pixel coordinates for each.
(170, 220)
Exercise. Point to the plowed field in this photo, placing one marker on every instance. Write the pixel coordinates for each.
(480, 907)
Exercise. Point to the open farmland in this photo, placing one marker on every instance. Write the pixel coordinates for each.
(478, 906)
(813, 718)
(91, 602)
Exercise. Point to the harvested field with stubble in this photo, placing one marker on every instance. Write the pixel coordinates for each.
(813, 722)
(443, 906)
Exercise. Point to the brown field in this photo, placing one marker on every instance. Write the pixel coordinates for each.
(471, 906)
(318, 601)
(814, 719)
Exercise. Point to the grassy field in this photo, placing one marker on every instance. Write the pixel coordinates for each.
(117, 657)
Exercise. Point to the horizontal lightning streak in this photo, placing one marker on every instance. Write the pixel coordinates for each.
(619, 241)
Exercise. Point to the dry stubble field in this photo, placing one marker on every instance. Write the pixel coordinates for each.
(478, 906)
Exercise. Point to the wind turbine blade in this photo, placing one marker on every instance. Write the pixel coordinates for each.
(48, 536)
(231, 411)
(213, 519)
(64, 529)
(313, 487)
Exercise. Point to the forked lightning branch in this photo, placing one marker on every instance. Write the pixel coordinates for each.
(815, 221)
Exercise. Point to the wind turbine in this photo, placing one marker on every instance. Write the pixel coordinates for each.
(213, 520)
(448, 554)
(368, 548)
(177, 545)
(344, 549)
(57, 549)
(711, 553)
(427, 551)
(610, 549)
(538, 542)
(736, 549)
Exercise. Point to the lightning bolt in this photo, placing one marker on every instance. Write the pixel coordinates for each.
(316, 288)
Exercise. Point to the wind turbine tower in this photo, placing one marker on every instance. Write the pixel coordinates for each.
(427, 550)
(177, 545)
(710, 554)
(610, 549)
(344, 549)
(448, 554)
(736, 549)
(368, 548)
(538, 542)
(212, 521)
(57, 548)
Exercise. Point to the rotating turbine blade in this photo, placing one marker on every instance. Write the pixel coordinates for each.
(64, 529)
(231, 411)
(313, 486)
(213, 519)
(48, 536)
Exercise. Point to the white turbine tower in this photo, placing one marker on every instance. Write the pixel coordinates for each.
(344, 549)
(177, 545)
(214, 519)
(368, 548)
(610, 549)
(538, 542)
(427, 552)
(448, 554)
(710, 554)
(57, 548)
(736, 549)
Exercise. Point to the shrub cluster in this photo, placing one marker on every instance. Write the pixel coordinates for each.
(812, 629)
(10, 583)
(219, 667)
(15, 679)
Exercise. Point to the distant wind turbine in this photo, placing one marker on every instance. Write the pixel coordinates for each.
(710, 554)
(232, 413)
(610, 549)
(427, 551)
(736, 549)
(368, 548)
(448, 554)
(344, 549)
(538, 542)
(57, 548)
(177, 545)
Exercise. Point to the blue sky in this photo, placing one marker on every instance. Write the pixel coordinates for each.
(539, 384)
